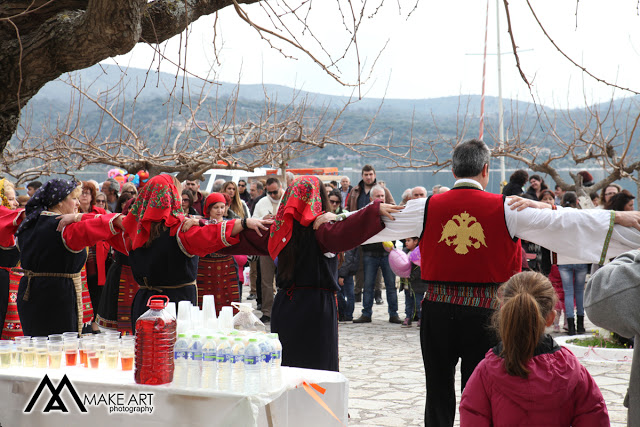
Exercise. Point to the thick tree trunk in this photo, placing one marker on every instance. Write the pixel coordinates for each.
(68, 35)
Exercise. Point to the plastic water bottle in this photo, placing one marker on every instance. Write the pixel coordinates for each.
(265, 366)
(223, 357)
(237, 370)
(252, 363)
(155, 341)
(180, 361)
(209, 364)
(194, 362)
(276, 359)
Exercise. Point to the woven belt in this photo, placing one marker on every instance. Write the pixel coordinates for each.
(161, 289)
(77, 283)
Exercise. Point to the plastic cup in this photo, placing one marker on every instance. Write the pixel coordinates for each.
(55, 337)
(16, 355)
(99, 347)
(184, 316)
(27, 351)
(55, 354)
(70, 351)
(6, 348)
(41, 351)
(127, 353)
(171, 309)
(225, 321)
(67, 335)
(111, 352)
(93, 359)
(84, 343)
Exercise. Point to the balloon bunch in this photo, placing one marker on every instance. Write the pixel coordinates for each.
(117, 174)
(138, 179)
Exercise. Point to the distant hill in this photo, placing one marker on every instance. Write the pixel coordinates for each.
(396, 118)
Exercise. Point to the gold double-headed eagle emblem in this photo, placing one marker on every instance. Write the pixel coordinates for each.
(463, 231)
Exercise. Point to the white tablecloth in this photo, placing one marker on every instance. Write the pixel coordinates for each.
(289, 405)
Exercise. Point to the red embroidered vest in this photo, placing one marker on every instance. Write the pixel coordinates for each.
(466, 241)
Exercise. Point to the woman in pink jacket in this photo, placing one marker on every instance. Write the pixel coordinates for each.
(528, 379)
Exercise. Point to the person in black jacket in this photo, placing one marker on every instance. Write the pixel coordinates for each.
(346, 297)
(517, 180)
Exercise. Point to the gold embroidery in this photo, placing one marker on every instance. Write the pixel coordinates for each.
(463, 231)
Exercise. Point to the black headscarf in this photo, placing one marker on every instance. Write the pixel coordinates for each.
(45, 197)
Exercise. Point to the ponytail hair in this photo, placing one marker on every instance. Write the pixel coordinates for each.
(527, 299)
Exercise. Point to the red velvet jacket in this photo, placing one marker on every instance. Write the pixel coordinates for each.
(558, 392)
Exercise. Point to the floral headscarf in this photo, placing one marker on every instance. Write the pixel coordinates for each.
(301, 202)
(211, 200)
(158, 200)
(3, 199)
(50, 194)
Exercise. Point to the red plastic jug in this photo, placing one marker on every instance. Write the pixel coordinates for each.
(155, 338)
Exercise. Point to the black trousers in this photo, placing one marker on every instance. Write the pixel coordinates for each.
(449, 332)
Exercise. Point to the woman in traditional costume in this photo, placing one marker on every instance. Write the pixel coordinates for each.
(114, 310)
(217, 274)
(304, 311)
(97, 255)
(52, 241)
(165, 247)
(10, 219)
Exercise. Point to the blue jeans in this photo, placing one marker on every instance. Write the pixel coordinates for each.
(371, 265)
(413, 303)
(346, 299)
(573, 278)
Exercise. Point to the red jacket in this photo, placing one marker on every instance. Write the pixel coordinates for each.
(558, 392)
(102, 252)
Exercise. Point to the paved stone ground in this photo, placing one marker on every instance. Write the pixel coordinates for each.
(383, 363)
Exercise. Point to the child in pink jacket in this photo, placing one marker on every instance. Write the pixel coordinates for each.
(528, 379)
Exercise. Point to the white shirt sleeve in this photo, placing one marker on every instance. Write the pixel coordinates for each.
(407, 223)
(578, 236)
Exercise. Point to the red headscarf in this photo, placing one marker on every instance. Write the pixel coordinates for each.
(211, 200)
(301, 202)
(157, 201)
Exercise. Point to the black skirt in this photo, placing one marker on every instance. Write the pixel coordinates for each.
(51, 308)
(306, 321)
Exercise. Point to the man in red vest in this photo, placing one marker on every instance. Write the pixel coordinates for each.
(469, 246)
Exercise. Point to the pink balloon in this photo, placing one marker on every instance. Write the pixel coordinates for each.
(414, 256)
(399, 263)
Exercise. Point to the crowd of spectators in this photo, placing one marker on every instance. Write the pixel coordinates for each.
(361, 272)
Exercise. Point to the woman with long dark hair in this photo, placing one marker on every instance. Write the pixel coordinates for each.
(622, 201)
(304, 311)
(237, 205)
